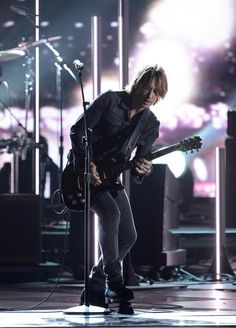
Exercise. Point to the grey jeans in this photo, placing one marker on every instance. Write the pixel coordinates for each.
(117, 232)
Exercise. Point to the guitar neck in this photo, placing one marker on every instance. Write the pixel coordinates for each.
(161, 152)
(154, 154)
(184, 145)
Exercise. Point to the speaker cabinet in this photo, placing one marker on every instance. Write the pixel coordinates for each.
(231, 126)
(155, 208)
(20, 232)
(230, 146)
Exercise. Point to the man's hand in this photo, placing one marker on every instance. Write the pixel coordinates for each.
(143, 166)
(95, 178)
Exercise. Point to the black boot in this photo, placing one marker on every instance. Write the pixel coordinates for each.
(118, 293)
(97, 288)
(125, 308)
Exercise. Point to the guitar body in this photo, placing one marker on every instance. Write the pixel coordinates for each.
(72, 185)
(71, 192)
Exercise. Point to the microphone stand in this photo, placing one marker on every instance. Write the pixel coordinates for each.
(86, 309)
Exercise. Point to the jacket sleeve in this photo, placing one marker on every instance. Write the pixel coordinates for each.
(144, 146)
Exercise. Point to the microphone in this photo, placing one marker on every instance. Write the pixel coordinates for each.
(20, 10)
(78, 65)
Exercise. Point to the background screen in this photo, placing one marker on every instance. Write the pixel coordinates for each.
(193, 40)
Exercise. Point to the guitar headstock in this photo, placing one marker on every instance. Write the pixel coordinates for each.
(190, 144)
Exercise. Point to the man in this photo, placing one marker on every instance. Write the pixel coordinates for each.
(121, 121)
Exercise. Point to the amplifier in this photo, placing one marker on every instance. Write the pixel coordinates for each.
(20, 228)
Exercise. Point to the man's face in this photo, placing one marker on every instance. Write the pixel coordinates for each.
(147, 96)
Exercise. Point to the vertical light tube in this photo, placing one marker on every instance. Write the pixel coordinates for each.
(123, 25)
(123, 21)
(37, 111)
(96, 79)
(220, 207)
(96, 55)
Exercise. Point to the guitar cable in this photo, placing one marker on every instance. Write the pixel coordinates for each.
(65, 209)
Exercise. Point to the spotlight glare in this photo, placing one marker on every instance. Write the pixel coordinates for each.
(164, 49)
(175, 161)
(200, 169)
(79, 25)
(44, 24)
(114, 24)
(8, 24)
(209, 23)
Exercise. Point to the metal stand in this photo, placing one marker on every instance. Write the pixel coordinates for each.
(86, 309)
(20, 143)
(29, 82)
(59, 64)
(16, 146)
(19, 146)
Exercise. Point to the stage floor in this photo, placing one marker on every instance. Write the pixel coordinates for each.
(185, 303)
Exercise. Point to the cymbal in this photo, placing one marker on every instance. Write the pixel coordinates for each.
(20, 51)
(11, 54)
(27, 45)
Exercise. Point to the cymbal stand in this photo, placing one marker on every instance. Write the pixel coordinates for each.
(18, 147)
(59, 65)
(59, 98)
(6, 86)
(23, 151)
(14, 171)
(28, 86)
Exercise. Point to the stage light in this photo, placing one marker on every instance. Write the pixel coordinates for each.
(37, 107)
(96, 84)
(44, 24)
(220, 206)
(178, 69)
(79, 25)
(201, 23)
(96, 240)
(114, 24)
(8, 24)
(200, 169)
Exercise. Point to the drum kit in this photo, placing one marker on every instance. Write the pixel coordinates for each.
(19, 145)
(22, 50)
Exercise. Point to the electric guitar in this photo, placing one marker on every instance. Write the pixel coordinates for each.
(72, 184)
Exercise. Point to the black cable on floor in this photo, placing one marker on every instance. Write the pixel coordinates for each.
(55, 286)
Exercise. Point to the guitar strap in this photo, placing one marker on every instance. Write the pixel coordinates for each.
(130, 143)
